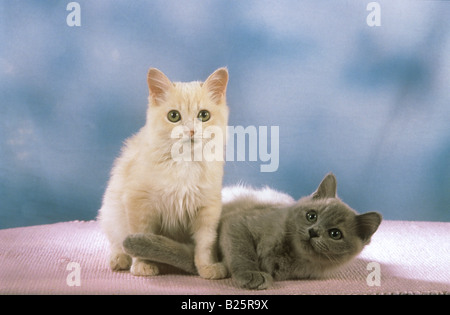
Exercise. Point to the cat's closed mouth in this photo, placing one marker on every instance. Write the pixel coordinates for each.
(318, 246)
(314, 245)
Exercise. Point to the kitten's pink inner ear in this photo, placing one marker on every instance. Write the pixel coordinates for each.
(158, 84)
(216, 84)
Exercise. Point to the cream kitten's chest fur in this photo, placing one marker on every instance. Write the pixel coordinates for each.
(176, 190)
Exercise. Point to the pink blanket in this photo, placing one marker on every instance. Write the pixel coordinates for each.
(72, 258)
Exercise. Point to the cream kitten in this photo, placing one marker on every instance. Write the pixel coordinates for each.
(150, 191)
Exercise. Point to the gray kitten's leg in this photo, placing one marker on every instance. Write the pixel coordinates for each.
(240, 253)
(161, 249)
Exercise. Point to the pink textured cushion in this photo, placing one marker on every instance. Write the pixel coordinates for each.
(413, 257)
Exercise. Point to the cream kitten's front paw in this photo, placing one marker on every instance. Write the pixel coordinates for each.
(119, 261)
(143, 268)
(214, 271)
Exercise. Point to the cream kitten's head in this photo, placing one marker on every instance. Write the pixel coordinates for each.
(185, 115)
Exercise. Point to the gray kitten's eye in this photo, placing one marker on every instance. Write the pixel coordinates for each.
(335, 234)
(311, 216)
(204, 115)
(174, 116)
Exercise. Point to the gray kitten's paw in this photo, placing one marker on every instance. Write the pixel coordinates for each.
(254, 280)
(136, 244)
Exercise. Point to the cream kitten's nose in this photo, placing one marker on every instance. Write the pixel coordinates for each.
(189, 133)
(189, 128)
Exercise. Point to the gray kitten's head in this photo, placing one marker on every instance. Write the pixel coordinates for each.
(327, 230)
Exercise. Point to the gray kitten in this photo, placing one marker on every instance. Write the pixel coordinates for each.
(265, 235)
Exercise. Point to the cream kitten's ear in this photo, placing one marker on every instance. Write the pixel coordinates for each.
(158, 84)
(216, 84)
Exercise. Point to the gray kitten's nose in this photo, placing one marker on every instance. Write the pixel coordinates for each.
(312, 233)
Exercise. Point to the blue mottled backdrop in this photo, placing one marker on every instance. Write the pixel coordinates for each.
(369, 103)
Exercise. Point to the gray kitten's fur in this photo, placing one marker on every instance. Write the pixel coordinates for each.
(261, 240)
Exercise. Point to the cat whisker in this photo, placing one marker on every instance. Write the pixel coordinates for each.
(331, 258)
(322, 246)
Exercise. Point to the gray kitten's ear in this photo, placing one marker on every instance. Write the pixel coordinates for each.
(367, 224)
(216, 84)
(327, 188)
(158, 85)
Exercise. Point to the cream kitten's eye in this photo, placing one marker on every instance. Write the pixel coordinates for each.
(173, 116)
(204, 115)
(311, 216)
